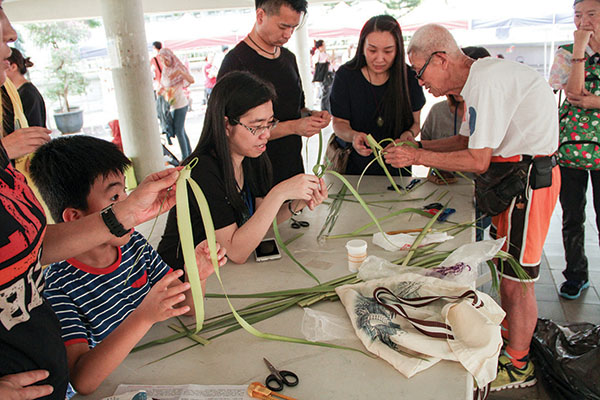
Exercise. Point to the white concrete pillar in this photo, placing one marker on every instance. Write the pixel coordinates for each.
(130, 65)
(301, 46)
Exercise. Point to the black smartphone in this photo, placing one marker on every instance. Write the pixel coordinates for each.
(267, 250)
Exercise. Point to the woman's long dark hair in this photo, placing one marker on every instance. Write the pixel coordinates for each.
(234, 95)
(396, 100)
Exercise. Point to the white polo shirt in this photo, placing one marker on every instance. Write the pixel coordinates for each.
(510, 109)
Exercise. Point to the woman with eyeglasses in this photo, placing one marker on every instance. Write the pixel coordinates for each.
(234, 172)
(375, 93)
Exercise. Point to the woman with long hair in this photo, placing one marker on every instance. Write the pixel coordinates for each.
(34, 106)
(174, 77)
(234, 172)
(375, 93)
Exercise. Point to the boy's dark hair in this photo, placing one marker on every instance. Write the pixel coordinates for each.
(157, 45)
(65, 169)
(272, 7)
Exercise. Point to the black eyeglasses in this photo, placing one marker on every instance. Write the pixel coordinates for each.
(424, 67)
(259, 130)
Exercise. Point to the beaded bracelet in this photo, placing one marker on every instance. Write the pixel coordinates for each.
(578, 60)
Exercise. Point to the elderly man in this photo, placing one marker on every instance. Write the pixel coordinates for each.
(262, 54)
(510, 118)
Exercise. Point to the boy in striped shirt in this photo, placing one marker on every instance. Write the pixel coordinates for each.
(107, 298)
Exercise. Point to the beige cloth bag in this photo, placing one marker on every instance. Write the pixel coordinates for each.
(415, 321)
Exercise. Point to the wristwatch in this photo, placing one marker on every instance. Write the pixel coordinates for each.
(111, 222)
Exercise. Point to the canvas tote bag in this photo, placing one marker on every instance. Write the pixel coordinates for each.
(414, 321)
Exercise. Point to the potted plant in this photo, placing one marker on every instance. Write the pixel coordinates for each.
(64, 78)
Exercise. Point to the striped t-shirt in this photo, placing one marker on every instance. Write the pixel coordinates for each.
(90, 303)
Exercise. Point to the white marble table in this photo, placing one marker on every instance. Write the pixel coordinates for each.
(236, 358)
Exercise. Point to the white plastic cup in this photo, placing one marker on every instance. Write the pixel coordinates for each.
(357, 252)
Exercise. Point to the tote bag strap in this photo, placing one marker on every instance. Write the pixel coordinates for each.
(440, 330)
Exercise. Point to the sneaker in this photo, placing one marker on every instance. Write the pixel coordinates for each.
(510, 376)
(572, 289)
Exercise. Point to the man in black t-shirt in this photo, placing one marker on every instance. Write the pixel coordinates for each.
(261, 54)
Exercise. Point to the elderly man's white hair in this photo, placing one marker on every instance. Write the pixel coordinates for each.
(430, 38)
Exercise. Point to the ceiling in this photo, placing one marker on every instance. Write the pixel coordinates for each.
(20, 11)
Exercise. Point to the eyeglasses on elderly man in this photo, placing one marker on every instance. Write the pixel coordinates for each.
(424, 67)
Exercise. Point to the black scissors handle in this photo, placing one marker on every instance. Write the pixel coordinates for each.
(299, 224)
(275, 383)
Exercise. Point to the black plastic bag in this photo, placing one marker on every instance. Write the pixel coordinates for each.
(567, 358)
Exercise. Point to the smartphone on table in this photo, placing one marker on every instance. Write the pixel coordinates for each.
(267, 250)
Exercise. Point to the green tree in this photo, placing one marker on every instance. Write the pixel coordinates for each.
(64, 77)
(399, 8)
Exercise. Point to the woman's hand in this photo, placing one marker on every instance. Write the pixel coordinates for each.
(205, 267)
(299, 187)
(407, 136)
(319, 195)
(581, 39)
(361, 145)
(25, 140)
(585, 100)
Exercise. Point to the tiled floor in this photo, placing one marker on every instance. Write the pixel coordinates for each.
(550, 304)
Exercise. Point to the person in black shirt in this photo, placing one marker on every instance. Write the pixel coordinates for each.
(262, 54)
(18, 140)
(34, 106)
(234, 173)
(375, 93)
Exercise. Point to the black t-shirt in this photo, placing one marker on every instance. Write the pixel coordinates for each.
(33, 105)
(30, 335)
(354, 99)
(285, 153)
(209, 177)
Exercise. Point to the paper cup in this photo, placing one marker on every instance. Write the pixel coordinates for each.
(357, 252)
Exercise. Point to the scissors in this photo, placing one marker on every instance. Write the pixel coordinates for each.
(299, 224)
(277, 379)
